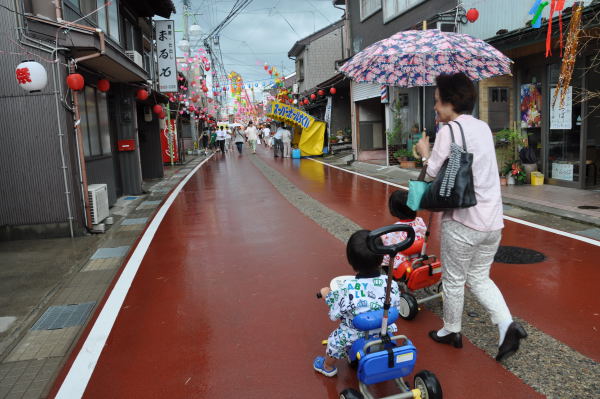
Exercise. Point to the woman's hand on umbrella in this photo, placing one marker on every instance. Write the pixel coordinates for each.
(423, 146)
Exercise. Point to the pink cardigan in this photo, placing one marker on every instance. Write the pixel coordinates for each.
(487, 214)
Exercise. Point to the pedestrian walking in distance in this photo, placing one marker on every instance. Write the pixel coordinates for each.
(286, 139)
(278, 144)
(252, 136)
(221, 136)
(238, 139)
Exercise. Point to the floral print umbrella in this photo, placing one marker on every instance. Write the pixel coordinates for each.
(416, 57)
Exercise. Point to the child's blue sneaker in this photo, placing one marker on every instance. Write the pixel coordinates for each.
(319, 365)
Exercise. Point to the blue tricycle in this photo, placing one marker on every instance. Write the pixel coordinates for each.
(379, 357)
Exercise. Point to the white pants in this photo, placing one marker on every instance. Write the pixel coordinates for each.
(287, 149)
(467, 256)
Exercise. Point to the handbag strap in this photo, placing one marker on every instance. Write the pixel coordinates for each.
(462, 133)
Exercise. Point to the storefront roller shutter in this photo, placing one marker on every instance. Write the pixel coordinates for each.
(364, 91)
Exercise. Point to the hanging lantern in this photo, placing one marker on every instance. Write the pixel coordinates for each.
(162, 115)
(103, 85)
(472, 15)
(205, 89)
(207, 68)
(75, 81)
(157, 109)
(306, 101)
(333, 90)
(295, 101)
(31, 76)
(321, 92)
(313, 96)
(141, 94)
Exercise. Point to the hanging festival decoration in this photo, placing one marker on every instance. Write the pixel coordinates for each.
(103, 85)
(313, 96)
(75, 81)
(568, 62)
(536, 11)
(31, 76)
(141, 94)
(321, 92)
(157, 109)
(333, 90)
(556, 6)
(472, 15)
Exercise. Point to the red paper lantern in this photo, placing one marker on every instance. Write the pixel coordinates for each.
(141, 94)
(266, 67)
(75, 81)
(162, 115)
(157, 109)
(103, 85)
(313, 96)
(321, 92)
(270, 72)
(333, 90)
(306, 101)
(472, 15)
(207, 68)
(204, 89)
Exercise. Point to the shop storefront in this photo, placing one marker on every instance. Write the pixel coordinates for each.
(309, 134)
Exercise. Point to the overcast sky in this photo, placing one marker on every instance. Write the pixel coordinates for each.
(264, 32)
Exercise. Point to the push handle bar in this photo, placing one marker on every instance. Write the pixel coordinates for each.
(391, 250)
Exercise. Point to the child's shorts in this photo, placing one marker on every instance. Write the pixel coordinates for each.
(342, 338)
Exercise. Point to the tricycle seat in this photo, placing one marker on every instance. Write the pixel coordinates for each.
(387, 364)
(372, 320)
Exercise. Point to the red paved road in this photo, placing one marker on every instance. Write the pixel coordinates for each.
(223, 303)
(556, 296)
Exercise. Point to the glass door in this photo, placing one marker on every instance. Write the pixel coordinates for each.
(592, 140)
(564, 135)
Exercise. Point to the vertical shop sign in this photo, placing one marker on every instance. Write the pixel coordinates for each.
(560, 117)
(165, 52)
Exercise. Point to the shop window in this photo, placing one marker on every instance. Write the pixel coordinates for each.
(368, 8)
(498, 108)
(101, 13)
(393, 8)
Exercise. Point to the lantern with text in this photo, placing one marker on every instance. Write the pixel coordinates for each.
(141, 94)
(31, 76)
(333, 90)
(103, 85)
(75, 81)
(472, 15)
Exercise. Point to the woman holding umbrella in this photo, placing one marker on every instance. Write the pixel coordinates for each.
(470, 236)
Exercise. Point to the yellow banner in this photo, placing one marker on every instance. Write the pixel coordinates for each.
(311, 140)
(292, 115)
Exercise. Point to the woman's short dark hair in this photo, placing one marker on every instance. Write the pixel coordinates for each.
(398, 207)
(457, 89)
(360, 257)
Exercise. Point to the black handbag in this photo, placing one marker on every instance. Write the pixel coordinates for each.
(453, 186)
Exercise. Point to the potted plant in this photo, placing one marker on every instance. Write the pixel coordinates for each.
(405, 158)
(513, 170)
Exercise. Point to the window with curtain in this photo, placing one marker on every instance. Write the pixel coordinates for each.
(369, 7)
(393, 8)
(95, 127)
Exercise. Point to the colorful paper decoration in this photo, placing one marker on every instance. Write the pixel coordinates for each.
(568, 62)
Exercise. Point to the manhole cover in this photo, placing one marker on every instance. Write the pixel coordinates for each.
(518, 255)
(588, 207)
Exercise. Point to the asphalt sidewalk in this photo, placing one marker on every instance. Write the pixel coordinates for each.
(49, 288)
(548, 205)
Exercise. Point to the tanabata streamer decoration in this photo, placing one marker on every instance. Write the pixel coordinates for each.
(568, 62)
(555, 6)
(536, 11)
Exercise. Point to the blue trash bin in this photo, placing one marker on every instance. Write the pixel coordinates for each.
(296, 153)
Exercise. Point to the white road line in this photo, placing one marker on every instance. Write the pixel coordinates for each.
(512, 219)
(82, 368)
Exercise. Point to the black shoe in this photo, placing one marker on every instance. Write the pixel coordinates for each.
(510, 345)
(454, 339)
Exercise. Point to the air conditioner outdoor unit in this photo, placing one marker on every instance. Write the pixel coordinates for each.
(135, 57)
(98, 195)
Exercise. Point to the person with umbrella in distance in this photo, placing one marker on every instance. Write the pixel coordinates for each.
(470, 236)
(252, 136)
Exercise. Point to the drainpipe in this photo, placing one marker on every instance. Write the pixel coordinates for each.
(57, 10)
(78, 134)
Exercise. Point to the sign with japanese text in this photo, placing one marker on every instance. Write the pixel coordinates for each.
(165, 52)
(560, 117)
(562, 171)
(287, 113)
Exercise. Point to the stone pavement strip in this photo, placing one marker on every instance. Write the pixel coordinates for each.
(28, 366)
